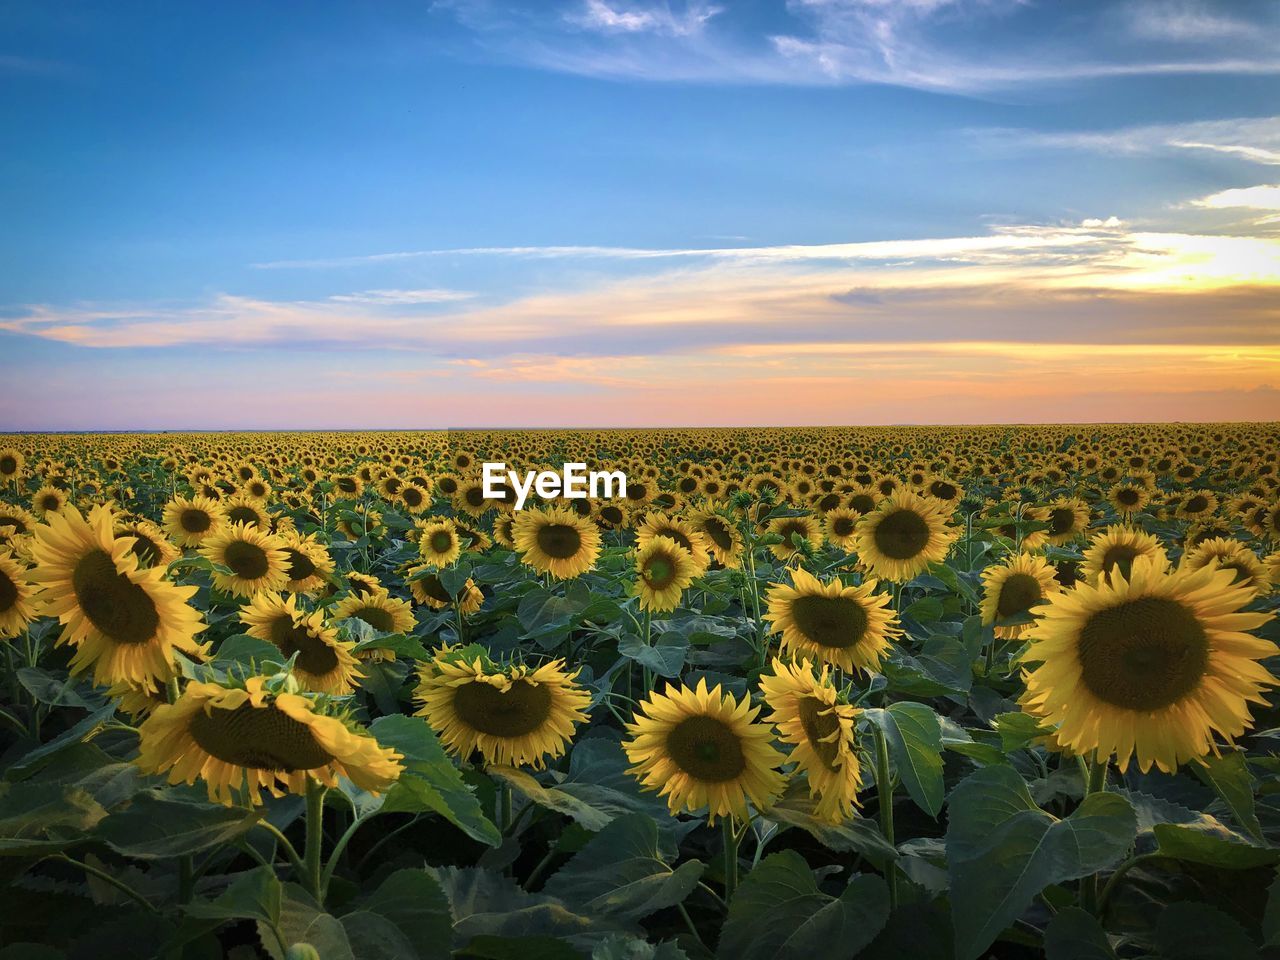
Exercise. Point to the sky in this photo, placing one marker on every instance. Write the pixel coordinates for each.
(637, 213)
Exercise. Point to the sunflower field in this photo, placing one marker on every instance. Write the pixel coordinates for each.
(925, 692)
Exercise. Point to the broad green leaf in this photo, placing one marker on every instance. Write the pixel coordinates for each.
(413, 901)
(621, 873)
(302, 921)
(152, 827)
(86, 729)
(857, 835)
(631, 948)
(665, 657)
(430, 782)
(1073, 934)
(1002, 850)
(28, 810)
(1018, 730)
(1229, 776)
(779, 913)
(1209, 842)
(1271, 915)
(1196, 931)
(518, 948)
(374, 937)
(915, 746)
(551, 797)
(57, 689)
(255, 895)
(243, 648)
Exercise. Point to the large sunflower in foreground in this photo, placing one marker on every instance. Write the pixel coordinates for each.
(903, 535)
(515, 715)
(848, 627)
(324, 662)
(1014, 588)
(1115, 548)
(702, 748)
(663, 570)
(809, 716)
(248, 739)
(190, 520)
(257, 560)
(557, 541)
(124, 622)
(1154, 665)
(16, 607)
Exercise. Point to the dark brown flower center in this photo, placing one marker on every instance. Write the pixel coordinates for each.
(194, 520)
(559, 540)
(523, 708)
(299, 565)
(706, 749)
(123, 611)
(377, 618)
(248, 561)
(837, 622)
(820, 723)
(1018, 594)
(902, 535)
(259, 738)
(314, 655)
(1143, 654)
(8, 593)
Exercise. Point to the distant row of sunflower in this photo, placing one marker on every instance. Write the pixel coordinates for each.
(1143, 644)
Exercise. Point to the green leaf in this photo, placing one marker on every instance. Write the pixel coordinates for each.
(1073, 934)
(1210, 842)
(629, 948)
(302, 921)
(1197, 931)
(87, 728)
(404, 647)
(1002, 850)
(155, 828)
(1017, 730)
(924, 610)
(621, 873)
(413, 901)
(915, 746)
(552, 798)
(373, 937)
(665, 658)
(518, 948)
(243, 648)
(430, 782)
(1271, 915)
(857, 835)
(57, 689)
(780, 913)
(29, 810)
(1230, 778)
(256, 895)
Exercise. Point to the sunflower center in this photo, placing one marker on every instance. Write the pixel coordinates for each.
(706, 749)
(519, 710)
(862, 502)
(377, 618)
(1061, 520)
(299, 564)
(412, 497)
(1120, 556)
(902, 535)
(559, 540)
(830, 621)
(718, 531)
(659, 572)
(1128, 497)
(8, 465)
(943, 490)
(1018, 594)
(843, 526)
(441, 541)
(1197, 504)
(8, 593)
(1143, 654)
(194, 521)
(248, 561)
(821, 729)
(259, 738)
(243, 515)
(117, 606)
(314, 655)
(49, 502)
(144, 549)
(18, 525)
(434, 589)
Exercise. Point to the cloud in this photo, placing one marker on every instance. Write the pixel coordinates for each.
(404, 297)
(600, 16)
(1262, 197)
(1184, 22)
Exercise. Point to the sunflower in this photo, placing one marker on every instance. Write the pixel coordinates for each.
(1154, 664)
(190, 520)
(415, 498)
(515, 715)
(307, 563)
(1117, 547)
(1068, 518)
(848, 627)
(257, 560)
(136, 702)
(18, 519)
(662, 524)
(124, 622)
(806, 528)
(426, 588)
(325, 663)
(16, 606)
(470, 498)
(246, 510)
(150, 545)
(383, 612)
(557, 541)
(1128, 498)
(702, 748)
(1013, 588)
(809, 716)
(11, 464)
(1197, 504)
(840, 525)
(663, 570)
(249, 739)
(503, 531)
(438, 542)
(48, 499)
(903, 535)
(723, 539)
(1232, 555)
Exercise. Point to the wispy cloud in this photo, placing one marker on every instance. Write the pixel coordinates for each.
(403, 297)
(601, 16)
(1263, 197)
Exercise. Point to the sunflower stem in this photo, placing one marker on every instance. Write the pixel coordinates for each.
(730, 858)
(313, 878)
(1095, 783)
(884, 788)
(102, 875)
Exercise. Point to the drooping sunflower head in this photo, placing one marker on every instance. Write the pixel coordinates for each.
(254, 560)
(848, 627)
(17, 609)
(324, 663)
(150, 545)
(427, 589)
(902, 536)
(1153, 665)
(557, 541)
(704, 749)
(383, 612)
(514, 715)
(242, 740)
(807, 710)
(1013, 590)
(722, 537)
(126, 623)
(663, 570)
(796, 533)
(189, 521)
(663, 524)
(1230, 554)
(1068, 519)
(1116, 548)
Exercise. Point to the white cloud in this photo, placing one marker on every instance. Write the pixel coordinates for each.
(1183, 22)
(403, 297)
(661, 19)
(1262, 197)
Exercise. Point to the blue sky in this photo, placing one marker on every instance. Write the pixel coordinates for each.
(598, 212)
